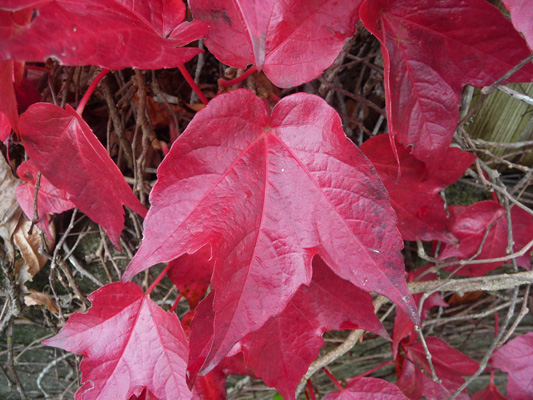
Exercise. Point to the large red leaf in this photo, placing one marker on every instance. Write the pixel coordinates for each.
(129, 344)
(282, 350)
(516, 358)
(293, 41)
(368, 389)
(450, 366)
(50, 200)
(114, 34)
(268, 193)
(415, 196)
(67, 153)
(430, 52)
(521, 17)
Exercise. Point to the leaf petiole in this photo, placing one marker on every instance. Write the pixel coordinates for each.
(90, 90)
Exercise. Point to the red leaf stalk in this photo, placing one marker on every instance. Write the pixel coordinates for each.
(192, 83)
(157, 280)
(374, 369)
(310, 390)
(175, 303)
(90, 90)
(239, 79)
(335, 381)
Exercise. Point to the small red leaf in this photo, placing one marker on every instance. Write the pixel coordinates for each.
(129, 344)
(469, 225)
(50, 200)
(282, 350)
(292, 41)
(450, 366)
(191, 273)
(429, 56)
(516, 358)
(67, 153)
(491, 392)
(415, 196)
(403, 326)
(369, 389)
(112, 33)
(268, 193)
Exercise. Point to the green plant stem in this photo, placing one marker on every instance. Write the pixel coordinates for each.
(192, 83)
(90, 90)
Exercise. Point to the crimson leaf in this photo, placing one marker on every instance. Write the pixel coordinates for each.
(470, 226)
(191, 274)
(268, 193)
(293, 41)
(516, 358)
(429, 57)
(282, 350)
(415, 196)
(129, 344)
(491, 392)
(367, 388)
(403, 326)
(111, 33)
(67, 153)
(521, 17)
(50, 200)
(450, 366)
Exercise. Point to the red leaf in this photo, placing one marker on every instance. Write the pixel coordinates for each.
(112, 33)
(129, 344)
(282, 350)
(367, 388)
(67, 153)
(415, 196)
(15, 5)
(8, 100)
(429, 56)
(191, 274)
(50, 200)
(491, 392)
(521, 17)
(469, 225)
(450, 366)
(403, 326)
(516, 358)
(293, 41)
(522, 223)
(268, 193)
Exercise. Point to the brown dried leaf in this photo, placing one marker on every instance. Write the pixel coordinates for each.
(36, 298)
(9, 208)
(28, 245)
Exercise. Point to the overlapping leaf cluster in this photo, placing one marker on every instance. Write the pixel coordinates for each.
(275, 210)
